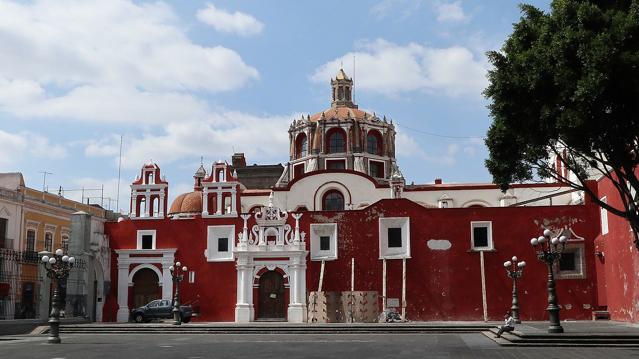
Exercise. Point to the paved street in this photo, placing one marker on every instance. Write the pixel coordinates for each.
(84, 346)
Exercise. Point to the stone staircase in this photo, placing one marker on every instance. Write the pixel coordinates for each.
(275, 328)
(519, 339)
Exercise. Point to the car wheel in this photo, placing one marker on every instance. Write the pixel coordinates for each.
(139, 318)
(186, 320)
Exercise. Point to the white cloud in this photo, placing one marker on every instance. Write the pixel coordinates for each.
(403, 8)
(260, 138)
(387, 68)
(107, 61)
(450, 12)
(224, 21)
(17, 146)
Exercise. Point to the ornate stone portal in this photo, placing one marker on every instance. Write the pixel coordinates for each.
(274, 245)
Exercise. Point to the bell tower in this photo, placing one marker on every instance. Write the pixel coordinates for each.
(342, 90)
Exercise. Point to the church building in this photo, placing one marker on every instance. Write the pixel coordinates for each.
(337, 235)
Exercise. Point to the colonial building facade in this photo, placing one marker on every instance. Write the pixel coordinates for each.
(338, 230)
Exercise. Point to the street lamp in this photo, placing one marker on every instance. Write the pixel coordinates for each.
(515, 270)
(549, 251)
(177, 272)
(57, 267)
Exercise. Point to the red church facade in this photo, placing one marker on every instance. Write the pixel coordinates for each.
(260, 241)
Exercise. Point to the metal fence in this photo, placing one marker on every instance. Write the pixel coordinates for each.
(23, 289)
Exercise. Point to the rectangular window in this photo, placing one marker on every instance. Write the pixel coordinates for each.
(567, 262)
(394, 238)
(325, 243)
(147, 241)
(222, 244)
(335, 164)
(191, 277)
(65, 244)
(31, 240)
(298, 170)
(48, 241)
(3, 232)
(376, 169)
(481, 235)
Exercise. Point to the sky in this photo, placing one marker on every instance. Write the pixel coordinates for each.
(183, 80)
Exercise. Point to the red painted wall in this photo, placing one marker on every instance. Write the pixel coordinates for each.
(441, 284)
(620, 261)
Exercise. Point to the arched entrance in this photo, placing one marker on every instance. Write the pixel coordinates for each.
(271, 296)
(145, 287)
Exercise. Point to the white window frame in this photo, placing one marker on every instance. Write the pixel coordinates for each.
(396, 252)
(604, 217)
(580, 262)
(327, 159)
(211, 253)
(145, 232)
(476, 224)
(319, 230)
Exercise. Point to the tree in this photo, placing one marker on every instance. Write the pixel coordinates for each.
(565, 86)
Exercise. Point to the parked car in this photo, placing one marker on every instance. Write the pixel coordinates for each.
(160, 309)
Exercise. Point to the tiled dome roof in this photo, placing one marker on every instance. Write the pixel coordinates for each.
(344, 113)
(187, 203)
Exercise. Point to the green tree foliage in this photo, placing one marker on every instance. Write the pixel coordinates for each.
(565, 86)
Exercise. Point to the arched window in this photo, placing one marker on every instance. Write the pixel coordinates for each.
(333, 200)
(374, 143)
(301, 146)
(336, 141)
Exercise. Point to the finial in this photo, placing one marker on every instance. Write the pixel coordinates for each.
(202, 160)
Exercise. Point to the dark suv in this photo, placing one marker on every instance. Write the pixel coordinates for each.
(160, 309)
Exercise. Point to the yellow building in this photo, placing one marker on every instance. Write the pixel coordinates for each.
(42, 221)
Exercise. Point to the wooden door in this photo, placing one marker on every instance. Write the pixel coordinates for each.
(271, 296)
(145, 287)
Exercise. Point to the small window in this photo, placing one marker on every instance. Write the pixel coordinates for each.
(298, 170)
(48, 241)
(65, 244)
(333, 201)
(394, 238)
(191, 277)
(222, 244)
(31, 240)
(325, 243)
(481, 236)
(376, 169)
(147, 241)
(336, 141)
(3, 232)
(335, 164)
(567, 262)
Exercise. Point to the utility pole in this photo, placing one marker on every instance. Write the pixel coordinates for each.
(44, 180)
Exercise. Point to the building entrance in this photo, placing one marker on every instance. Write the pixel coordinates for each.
(145, 287)
(271, 296)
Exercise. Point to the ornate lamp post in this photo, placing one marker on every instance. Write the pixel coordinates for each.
(549, 251)
(57, 267)
(177, 272)
(515, 270)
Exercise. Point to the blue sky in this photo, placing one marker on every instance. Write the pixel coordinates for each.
(184, 79)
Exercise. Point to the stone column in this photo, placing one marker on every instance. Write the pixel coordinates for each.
(205, 201)
(167, 280)
(123, 290)
(220, 204)
(244, 305)
(297, 307)
(233, 202)
(147, 203)
(161, 206)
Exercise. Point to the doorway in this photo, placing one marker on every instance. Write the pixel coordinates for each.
(271, 296)
(145, 287)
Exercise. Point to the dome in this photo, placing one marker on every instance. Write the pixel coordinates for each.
(187, 203)
(344, 113)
